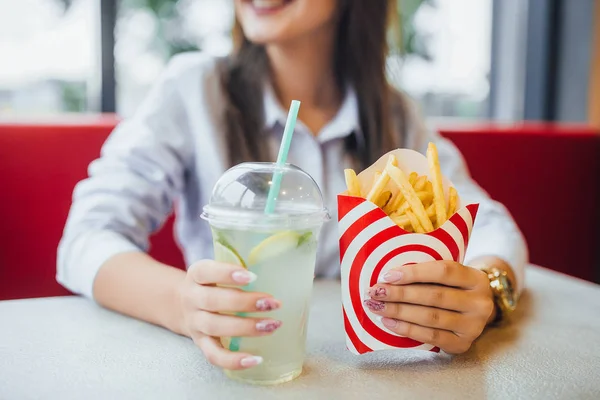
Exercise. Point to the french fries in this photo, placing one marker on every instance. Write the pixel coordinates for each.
(411, 196)
(420, 183)
(416, 203)
(403, 221)
(414, 221)
(352, 182)
(383, 199)
(380, 182)
(428, 187)
(438, 189)
(452, 203)
(412, 178)
(394, 203)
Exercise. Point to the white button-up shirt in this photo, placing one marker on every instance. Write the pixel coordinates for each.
(172, 151)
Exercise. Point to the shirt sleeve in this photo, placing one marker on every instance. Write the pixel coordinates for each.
(495, 232)
(130, 189)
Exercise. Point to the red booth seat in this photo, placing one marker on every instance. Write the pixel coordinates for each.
(39, 167)
(548, 176)
(539, 172)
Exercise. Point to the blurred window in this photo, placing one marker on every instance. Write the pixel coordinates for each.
(150, 32)
(447, 65)
(49, 54)
(446, 68)
(54, 52)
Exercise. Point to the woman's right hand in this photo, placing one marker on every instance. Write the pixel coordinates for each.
(202, 302)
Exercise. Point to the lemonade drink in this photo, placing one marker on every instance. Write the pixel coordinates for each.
(284, 263)
(280, 247)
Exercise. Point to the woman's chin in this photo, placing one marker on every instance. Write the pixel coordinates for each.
(280, 21)
(264, 35)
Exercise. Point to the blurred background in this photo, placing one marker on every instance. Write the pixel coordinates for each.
(505, 60)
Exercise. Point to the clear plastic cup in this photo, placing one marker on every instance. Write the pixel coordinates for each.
(280, 248)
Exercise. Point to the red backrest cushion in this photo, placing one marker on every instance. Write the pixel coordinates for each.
(548, 176)
(537, 171)
(39, 167)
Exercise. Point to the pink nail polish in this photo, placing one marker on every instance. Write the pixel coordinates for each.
(374, 305)
(267, 304)
(268, 325)
(377, 292)
(389, 322)
(251, 361)
(392, 276)
(243, 277)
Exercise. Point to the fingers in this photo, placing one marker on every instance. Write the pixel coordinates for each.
(208, 272)
(218, 356)
(212, 324)
(448, 273)
(427, 295)
(425, 316)
(447, 341)
(442, 303)
(219, 299)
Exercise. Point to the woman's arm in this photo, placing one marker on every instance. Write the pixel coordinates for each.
(135, 284)
(130, 189)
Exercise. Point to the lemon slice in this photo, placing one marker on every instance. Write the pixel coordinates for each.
(304, 238)
(227, 254)
(273, 246)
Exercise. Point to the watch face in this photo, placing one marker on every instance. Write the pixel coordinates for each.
(508, 294)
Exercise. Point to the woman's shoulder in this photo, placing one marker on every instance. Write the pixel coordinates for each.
(192, 68)
(193, 80)
(198, 61)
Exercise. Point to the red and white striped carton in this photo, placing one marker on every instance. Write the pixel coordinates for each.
(371, 244)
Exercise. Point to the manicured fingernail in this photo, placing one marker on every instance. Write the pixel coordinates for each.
(268, 325)
(389, 322)
(244, 277)
(251, 361)
(377, 291)
(392, 276)
(267, 304)
(374, 305)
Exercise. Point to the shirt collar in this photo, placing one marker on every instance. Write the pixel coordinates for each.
(273, 112)
(345, 122)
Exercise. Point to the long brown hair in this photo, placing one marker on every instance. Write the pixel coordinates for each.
(359, 60)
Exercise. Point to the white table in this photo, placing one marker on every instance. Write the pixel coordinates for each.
(69, 348)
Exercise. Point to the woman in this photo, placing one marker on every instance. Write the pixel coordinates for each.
(207, 114)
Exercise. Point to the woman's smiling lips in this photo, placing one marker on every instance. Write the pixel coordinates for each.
(265, 7)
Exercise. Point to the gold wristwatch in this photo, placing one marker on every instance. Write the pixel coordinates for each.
(505, 297)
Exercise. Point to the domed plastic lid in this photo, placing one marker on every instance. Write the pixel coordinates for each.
(240, 196)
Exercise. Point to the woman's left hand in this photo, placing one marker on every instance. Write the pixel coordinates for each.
(442, 303)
